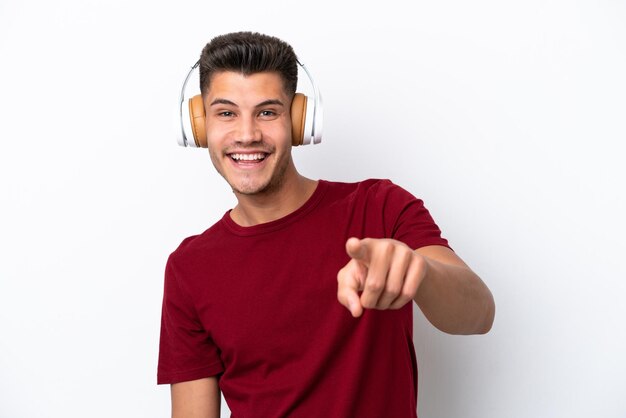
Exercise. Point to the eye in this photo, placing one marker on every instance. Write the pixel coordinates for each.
(226, 114)
(267, 114)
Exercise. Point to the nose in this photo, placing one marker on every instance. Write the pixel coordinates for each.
(248, 130)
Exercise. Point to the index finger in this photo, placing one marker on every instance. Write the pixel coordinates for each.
(358, 249)
(348, 288)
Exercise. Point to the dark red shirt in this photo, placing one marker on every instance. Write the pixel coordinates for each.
(258, 307)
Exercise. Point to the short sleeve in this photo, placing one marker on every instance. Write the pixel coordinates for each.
(407, 218)
(186, 351)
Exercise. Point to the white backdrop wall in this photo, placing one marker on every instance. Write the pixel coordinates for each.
(507, 118)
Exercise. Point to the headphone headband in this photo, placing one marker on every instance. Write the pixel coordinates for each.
(182, 139)
(314, 133)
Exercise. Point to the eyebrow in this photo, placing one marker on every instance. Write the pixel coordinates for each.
(222, 101)
(231, 103)
(270, 102)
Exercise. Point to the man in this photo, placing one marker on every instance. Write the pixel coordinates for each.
(298, 301)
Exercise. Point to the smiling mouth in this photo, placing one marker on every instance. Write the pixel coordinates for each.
(248, 158)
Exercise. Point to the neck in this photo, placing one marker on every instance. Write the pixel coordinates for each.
(271, 205)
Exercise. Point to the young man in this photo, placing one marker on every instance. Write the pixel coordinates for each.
(298, 302)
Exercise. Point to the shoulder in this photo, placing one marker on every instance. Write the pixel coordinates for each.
(371, 185)
(369, 189)
(193, 245)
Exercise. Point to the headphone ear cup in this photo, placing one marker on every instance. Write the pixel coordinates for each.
(197, 116)
(298, 116)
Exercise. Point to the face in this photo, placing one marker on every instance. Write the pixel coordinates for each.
(249, 130)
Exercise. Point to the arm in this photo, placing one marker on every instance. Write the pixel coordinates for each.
(451, 296)
(390, 274)
(196, 399)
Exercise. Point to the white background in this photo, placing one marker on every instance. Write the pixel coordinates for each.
(507, 118)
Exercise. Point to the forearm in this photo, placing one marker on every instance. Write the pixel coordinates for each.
(196, 399)
(454, 299)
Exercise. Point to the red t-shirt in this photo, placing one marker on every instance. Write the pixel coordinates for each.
(258, 307)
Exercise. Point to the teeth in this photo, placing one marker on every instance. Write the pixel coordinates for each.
(247, 157)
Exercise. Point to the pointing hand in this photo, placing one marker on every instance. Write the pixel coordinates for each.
(386, 272)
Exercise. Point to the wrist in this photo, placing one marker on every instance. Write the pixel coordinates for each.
(427, 267)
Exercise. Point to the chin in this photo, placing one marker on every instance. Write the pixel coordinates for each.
(253, 189)
(248, 191)
(259, 186)
(249, 188)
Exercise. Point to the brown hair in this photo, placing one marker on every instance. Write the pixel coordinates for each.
(249, 53)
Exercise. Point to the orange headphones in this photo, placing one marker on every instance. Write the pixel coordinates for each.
(306, 117)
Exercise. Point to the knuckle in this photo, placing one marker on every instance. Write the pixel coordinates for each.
(397, 304)
(419, 261)
(383, 304)
(368, 303)
(406, 294)
(393, 291)
(405, 255)
(374, 286)
(388, 248)
(342, 296)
